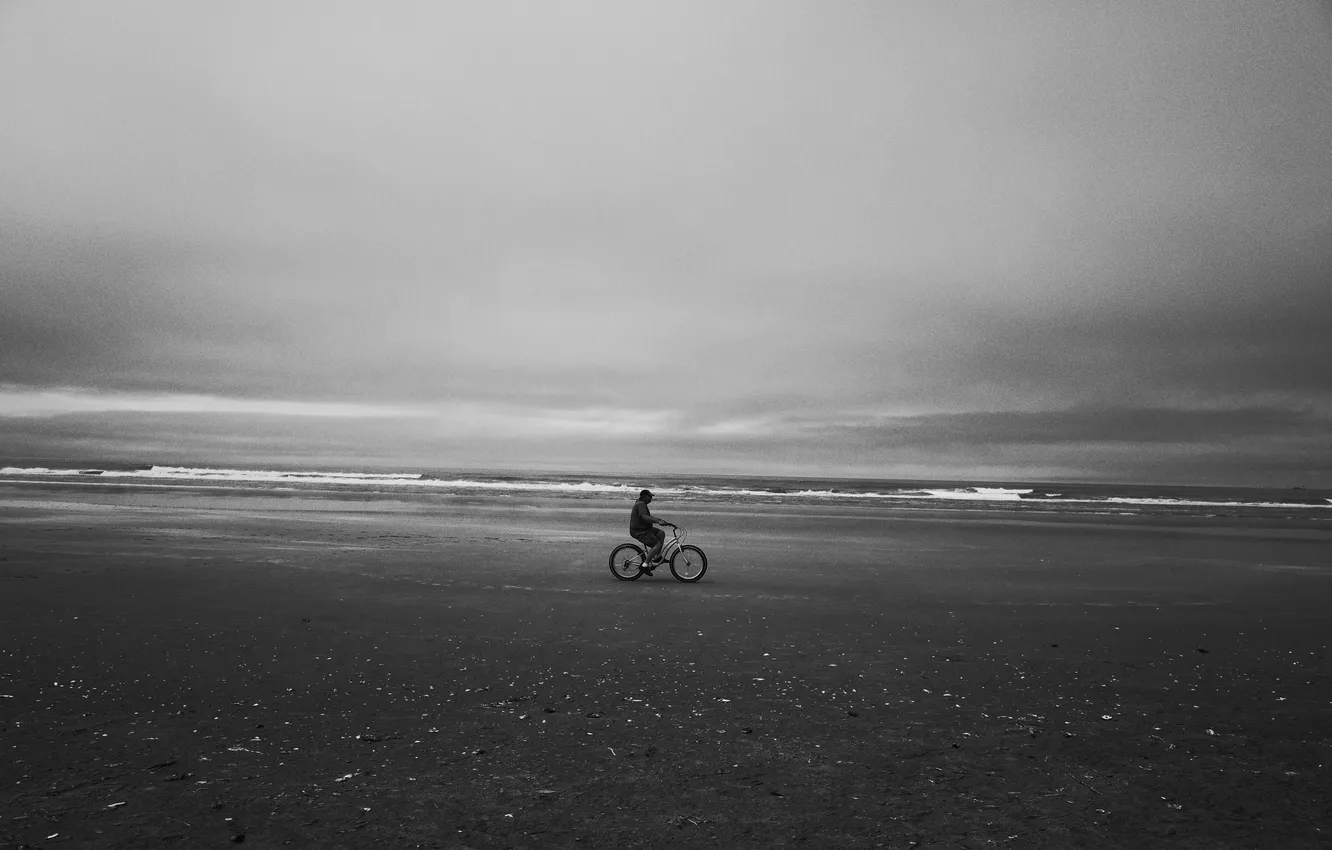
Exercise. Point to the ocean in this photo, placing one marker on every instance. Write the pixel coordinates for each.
(1313, 505)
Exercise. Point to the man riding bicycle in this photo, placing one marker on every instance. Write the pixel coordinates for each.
(641, 528)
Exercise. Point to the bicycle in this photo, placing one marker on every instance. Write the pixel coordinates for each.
(688, 563)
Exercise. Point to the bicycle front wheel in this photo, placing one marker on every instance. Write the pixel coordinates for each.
(689, 564)
(626, 562)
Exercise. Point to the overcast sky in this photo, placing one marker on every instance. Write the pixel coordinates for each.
(1037, 240)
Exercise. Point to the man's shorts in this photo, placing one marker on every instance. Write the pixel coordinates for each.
(649, 537)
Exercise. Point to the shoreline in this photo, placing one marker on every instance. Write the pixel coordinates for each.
(890, 494)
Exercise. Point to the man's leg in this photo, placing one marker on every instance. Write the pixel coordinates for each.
(658, 538)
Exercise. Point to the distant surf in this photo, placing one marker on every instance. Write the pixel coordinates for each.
(710, 488)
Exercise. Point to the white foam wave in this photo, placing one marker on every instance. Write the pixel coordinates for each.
(980, 494)
(186, 473)
(258, 474)
(406, 479)
(536, 486)
(1198, 504)
(506, 485)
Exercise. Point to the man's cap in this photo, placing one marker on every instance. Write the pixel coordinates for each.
(646, 494)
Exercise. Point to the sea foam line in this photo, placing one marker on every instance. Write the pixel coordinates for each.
(418, 480)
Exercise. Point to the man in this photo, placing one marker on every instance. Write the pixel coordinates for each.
(641, 522)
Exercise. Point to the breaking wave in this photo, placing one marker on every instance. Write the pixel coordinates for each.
(680, 488)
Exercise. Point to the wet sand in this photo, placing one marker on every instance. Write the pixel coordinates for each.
(185, 667)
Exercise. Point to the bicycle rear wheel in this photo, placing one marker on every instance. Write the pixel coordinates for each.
(626, 562)
(689, 564)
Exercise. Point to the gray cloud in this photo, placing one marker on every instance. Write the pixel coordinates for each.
(1074, 427)
(738, 213)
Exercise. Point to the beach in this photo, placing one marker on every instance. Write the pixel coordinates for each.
(194, 666)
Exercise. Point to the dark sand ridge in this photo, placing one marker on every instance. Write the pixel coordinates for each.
(181, 667)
